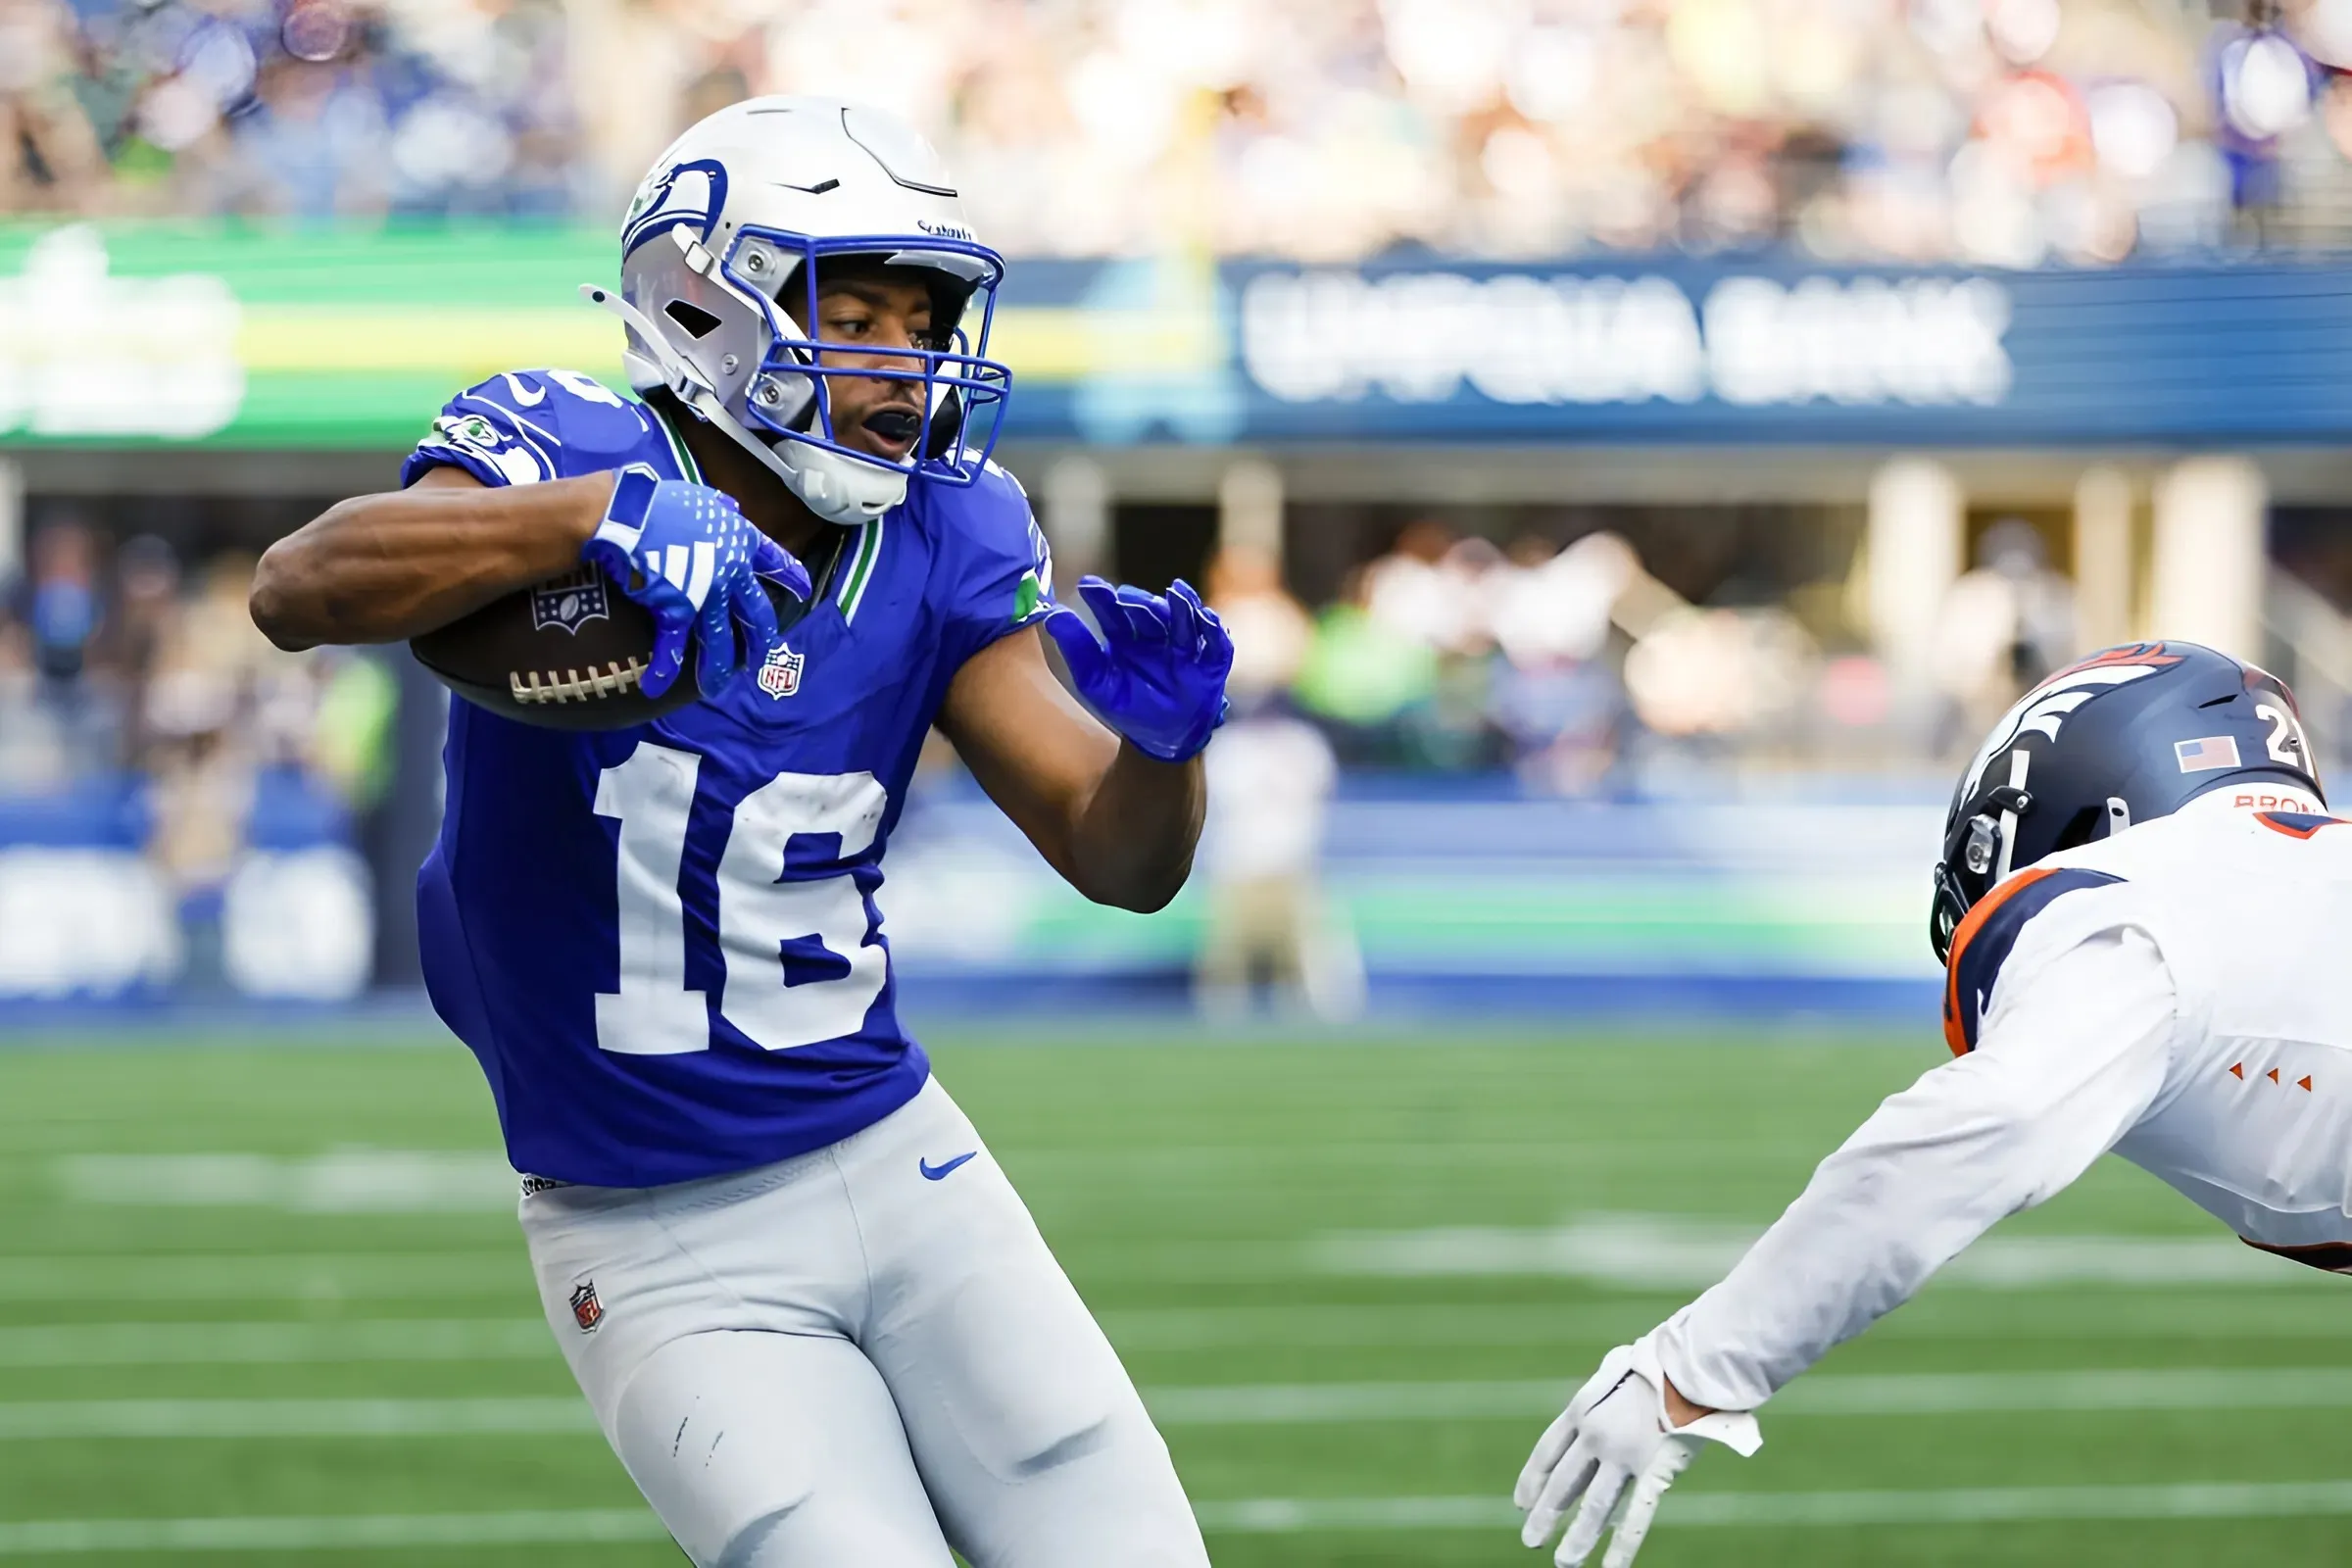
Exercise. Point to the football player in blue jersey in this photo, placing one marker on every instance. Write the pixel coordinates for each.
(812, 1317)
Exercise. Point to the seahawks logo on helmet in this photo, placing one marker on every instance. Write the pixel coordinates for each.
(693, 193)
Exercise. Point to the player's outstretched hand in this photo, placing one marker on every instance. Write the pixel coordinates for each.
(1613, 1449)
(1157, 673)
(687, 554)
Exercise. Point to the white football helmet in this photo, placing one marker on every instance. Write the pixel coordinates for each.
(743, 207)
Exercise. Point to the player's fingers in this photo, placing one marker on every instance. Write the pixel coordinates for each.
(1102, 600)
(1641, 1509)
(715, 665)
(1546, 1453)
(1146, 613)
(1592, 1517)
(1559, 1492)
(781, 566)
(1088, 662)
(669, 652)
(759, 633)
(1185, 611)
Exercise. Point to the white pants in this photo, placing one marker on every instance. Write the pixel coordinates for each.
(857, 1358)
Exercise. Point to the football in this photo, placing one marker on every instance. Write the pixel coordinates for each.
(566, 654)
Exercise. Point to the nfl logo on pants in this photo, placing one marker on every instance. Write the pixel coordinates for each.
(586, 1310)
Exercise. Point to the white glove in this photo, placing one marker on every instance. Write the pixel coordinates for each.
(1612, 1446)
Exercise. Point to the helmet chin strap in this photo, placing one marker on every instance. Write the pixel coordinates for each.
(837, 489)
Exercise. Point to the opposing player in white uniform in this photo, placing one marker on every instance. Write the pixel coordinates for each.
(2140, 905)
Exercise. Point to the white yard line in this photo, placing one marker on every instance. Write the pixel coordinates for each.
(1753, 1510)
(342, 1181)
(1680, 1252)
(2106, 1317)
(1240, 1404)
(41, 1538)
(1583, 1326)
(248, 1344)
(50, 1420)
(264, 1276)
(1241, 1516)
(1841, 1394)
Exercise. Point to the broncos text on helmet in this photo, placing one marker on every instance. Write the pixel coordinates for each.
(2130, 733)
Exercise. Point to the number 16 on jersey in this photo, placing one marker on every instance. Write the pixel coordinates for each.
(797, 967)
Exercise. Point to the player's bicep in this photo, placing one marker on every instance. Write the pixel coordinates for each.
(1037, 752)
(444, 477)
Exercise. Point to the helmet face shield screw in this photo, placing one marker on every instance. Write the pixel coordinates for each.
(727, 364)
(1978, 857)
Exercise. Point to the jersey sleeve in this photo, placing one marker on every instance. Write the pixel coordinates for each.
(1001, 568)
(1988, 942)
(2068, 1062)
(522, 426)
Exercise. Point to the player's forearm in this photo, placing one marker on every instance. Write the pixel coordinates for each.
(1879, 1216)
(1131, 843)
(382, 568)
(1936, 1167)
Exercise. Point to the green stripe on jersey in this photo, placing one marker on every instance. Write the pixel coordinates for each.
(862, 569)
(677, 448)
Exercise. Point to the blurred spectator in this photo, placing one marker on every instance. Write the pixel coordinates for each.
(1270, 778)
(1362, 678)
(1271, 632)
(2003, 626)
(49, 155)
(2084, 131)
(1554, 695)
(1412, 592)
(61, 609)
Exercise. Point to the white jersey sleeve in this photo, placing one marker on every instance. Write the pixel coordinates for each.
(2069, 1056)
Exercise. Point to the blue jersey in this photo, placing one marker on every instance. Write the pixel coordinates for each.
(662, 942)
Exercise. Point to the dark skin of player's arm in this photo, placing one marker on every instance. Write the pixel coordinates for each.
(1119, 827)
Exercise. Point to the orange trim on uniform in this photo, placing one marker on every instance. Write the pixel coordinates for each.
(1955, 1034)
(2270, 819)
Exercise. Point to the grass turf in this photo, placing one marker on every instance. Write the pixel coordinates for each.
(1185, 1186)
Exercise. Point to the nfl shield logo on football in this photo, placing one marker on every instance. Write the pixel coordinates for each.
(570, 601)
(586, 1310)
(780, 676)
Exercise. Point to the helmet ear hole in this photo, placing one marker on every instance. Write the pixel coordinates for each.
(2081, 828)
(697, 322)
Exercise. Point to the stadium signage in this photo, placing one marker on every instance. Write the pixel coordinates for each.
(130, 333)
(85, 353)
(1523, 338)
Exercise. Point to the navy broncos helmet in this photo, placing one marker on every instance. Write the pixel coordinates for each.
(2129, 734)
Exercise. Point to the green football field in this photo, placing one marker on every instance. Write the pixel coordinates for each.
(269, 1304)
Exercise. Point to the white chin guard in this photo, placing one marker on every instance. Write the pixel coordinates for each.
(836, 488)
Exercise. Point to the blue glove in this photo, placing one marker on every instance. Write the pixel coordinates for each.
(1157, 675)
(687, 554)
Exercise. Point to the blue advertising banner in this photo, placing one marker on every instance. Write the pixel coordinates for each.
(1683, 350)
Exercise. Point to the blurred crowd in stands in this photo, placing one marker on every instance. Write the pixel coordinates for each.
(1582, 672)
(125, 663)
(2001, 131)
